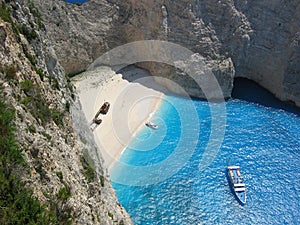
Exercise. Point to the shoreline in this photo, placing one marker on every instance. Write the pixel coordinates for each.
(137, 130)
(133, 97)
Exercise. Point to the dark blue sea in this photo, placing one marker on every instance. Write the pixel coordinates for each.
(76, 1)
(174, 178)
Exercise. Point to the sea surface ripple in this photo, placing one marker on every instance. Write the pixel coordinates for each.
(264, 141)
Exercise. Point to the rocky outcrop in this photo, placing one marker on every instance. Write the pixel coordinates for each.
(195, 76)
(62, 158)
(80, 33)
(260, 37)
(126, 21)
(272, 55)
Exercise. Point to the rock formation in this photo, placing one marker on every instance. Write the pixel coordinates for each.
(260, 38)
(272, 56)
(59, 148)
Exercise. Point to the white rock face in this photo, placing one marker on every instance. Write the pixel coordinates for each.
(272, 57)
(126, 21)
(260, 37)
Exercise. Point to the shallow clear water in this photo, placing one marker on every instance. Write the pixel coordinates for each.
(264, 141)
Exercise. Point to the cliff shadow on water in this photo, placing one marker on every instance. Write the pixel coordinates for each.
(250, 91)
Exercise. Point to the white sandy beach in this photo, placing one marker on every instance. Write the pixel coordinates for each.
(131, 105)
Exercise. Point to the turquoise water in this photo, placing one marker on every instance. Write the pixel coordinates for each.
(264, 141)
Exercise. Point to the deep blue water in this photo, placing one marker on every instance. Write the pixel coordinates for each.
(264, 141)
(76, 1)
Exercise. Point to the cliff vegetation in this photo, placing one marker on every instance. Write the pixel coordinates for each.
(50, 170)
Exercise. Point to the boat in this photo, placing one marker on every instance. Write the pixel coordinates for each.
(151, 125)
(97, 121)
(104, 108)
(236, 182)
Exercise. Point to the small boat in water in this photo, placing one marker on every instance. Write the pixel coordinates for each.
(151, 125)
(236, 182)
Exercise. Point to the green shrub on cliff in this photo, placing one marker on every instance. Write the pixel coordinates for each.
(10, 154)
(37, 15)
(5, 13)
(18, 206)
(64, 193)
(9, 71)
(17, 203)
(88, 169)
(29, 33)
(35, 103)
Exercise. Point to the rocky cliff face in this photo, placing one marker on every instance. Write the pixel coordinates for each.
(80, 34)
(62, 158)
(272, 56)
(260, 38)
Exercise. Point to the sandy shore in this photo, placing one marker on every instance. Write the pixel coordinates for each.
(132, 102)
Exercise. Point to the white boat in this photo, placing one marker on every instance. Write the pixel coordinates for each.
(236, 182)
(151, 125)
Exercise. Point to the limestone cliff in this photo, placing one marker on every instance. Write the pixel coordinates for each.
(256, 39)
(64, 168)
(272, 57)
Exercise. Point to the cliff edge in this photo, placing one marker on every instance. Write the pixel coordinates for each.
(62, 165)
(256, 39)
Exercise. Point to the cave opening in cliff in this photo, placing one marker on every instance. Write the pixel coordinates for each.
(250, 91)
